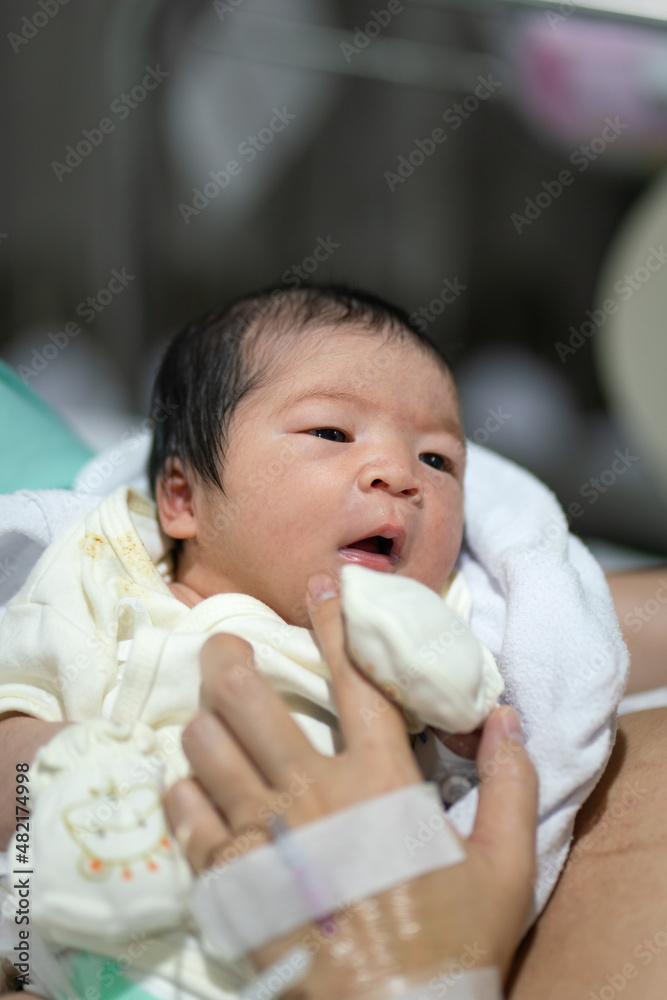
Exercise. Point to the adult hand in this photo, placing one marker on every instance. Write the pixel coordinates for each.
(248, 752)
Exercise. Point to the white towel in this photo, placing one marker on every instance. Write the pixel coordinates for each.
(540, 603)
(542, 606)
(29, 521)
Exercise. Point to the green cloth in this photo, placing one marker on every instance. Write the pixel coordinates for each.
(38, 451)
(102, 978)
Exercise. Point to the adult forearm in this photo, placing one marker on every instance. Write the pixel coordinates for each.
(640, 599)
(21, 736)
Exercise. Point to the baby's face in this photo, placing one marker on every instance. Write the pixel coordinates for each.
(355, 453)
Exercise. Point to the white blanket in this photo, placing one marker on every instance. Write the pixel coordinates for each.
(542, 606)
(540, 603)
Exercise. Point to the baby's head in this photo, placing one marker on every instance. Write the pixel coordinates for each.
(307, 428)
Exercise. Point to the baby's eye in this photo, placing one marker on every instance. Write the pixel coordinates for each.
(329, 433)
(439, 462)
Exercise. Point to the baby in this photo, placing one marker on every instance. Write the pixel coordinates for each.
(311, 429)
(308, 431)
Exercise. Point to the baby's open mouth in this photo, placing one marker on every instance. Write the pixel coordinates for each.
(374, 551)
(376, 543)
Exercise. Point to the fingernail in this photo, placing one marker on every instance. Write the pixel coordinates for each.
(512, 724)
(322, 588)
(182, 834)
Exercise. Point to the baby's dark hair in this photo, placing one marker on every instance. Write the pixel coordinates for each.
(218, 359)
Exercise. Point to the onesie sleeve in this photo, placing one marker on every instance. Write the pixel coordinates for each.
(50, 667)
(58, 648)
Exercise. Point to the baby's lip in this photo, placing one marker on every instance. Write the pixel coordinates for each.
(371, 560)
(392, 532)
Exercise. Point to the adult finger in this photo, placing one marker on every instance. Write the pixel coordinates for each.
(364, 712)
(507, 813)
(198, 827)
(252, 710)
(224, 770)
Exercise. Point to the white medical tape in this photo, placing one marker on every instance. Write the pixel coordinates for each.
(322, 866)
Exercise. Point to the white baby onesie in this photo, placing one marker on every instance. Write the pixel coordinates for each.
(96, 637)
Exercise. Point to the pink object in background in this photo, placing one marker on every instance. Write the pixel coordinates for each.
(574, 73)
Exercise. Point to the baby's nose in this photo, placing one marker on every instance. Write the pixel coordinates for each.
(393, 477)
(410, 491)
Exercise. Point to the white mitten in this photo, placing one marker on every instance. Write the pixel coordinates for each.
(103, 862)
(418, 650)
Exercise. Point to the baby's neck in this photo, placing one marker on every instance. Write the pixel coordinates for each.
(185, 594)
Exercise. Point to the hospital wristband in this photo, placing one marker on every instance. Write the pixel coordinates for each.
(322, 867)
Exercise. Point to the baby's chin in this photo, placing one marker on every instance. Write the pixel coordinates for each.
(438, 582)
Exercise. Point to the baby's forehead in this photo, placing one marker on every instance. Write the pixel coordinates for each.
(349, 365)
(387, 348)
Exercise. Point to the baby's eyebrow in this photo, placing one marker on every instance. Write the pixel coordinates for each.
(342, 396)
(339, 396)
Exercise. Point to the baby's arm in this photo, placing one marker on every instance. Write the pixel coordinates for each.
(21, 736)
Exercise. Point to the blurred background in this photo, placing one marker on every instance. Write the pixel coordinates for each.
(499, 169)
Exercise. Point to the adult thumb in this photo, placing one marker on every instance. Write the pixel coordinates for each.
(506, 818)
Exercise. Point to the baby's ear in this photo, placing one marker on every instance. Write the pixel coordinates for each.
(175, 498)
